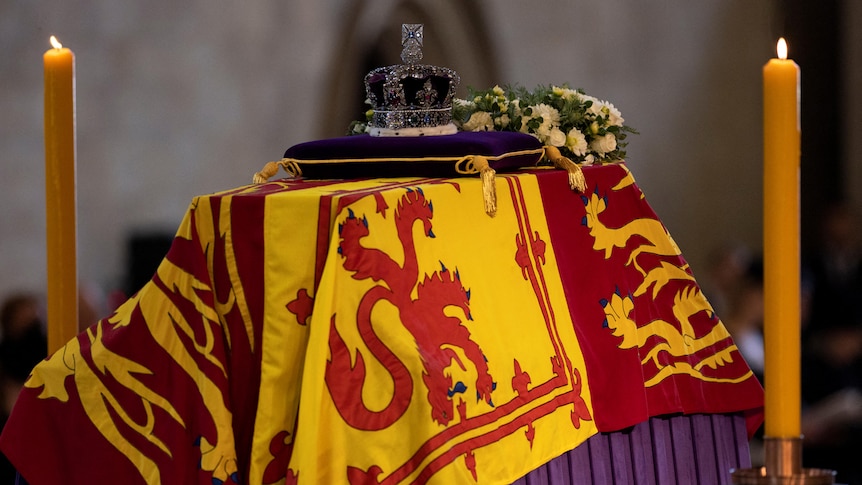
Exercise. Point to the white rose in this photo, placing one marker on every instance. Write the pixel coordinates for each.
(589, 159)
(479, 121)
(576, 142)
(556, 137)
(604, 144)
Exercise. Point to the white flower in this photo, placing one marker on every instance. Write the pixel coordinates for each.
(517, 104)
(604, 144)
(595, 109)
(544, 133)
(556, 137)
(566, 93)
(550, 116)
(576, 142)
(611, 115)
(524, 127)
(615, 118)
(502, 121)
(586, 134)
(550, 120)
(479, 121)
(463, 103)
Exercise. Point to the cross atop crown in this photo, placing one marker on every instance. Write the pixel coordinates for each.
(411, 43)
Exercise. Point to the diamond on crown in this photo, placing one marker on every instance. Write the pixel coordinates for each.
(411, 43)
(411, 95)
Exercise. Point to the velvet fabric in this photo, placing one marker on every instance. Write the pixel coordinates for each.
(421, 156)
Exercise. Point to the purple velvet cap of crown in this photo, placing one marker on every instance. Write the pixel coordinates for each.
(428, 156)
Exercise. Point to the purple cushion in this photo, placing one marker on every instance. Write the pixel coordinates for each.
(424, 156)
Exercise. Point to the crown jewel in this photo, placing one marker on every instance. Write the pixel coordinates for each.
(410, 95)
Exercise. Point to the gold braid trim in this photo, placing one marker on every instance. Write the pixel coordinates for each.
(457, 159)
(577, 181)
(271, 168)
(468, 165)
(291, 167)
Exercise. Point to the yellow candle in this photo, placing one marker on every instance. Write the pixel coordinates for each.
(781, 149)
(60, 199)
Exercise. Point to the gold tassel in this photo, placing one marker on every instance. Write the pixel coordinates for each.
(265, 173)
(290, 166)
(577, 181)
(489, 184)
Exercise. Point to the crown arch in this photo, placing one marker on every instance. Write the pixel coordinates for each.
(369, 37)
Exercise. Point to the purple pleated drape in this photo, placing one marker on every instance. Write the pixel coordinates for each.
(683, 449)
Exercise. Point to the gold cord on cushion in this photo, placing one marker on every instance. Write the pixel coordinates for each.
(271, 168)
(291, 167)
(577, 181)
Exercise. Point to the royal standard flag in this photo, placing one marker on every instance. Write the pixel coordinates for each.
(385, 331)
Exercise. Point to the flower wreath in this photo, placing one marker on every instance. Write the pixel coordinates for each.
(585, 129)
(575, 128)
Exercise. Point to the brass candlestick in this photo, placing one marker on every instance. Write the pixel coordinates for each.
(783, 457)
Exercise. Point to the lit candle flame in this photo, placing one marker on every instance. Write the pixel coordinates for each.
(782, 48)
(56, 43)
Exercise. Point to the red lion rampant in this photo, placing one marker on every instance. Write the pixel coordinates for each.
(434, 332)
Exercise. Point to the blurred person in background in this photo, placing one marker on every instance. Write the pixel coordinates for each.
(832, 350)
(725, 276)
(23, 344)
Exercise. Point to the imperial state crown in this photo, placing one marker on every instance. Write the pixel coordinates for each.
(411, 99)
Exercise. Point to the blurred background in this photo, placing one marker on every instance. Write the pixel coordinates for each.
(177, 99)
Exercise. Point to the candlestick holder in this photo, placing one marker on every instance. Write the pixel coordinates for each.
(783, 466)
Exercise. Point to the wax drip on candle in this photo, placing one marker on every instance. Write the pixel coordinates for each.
(56, 43)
